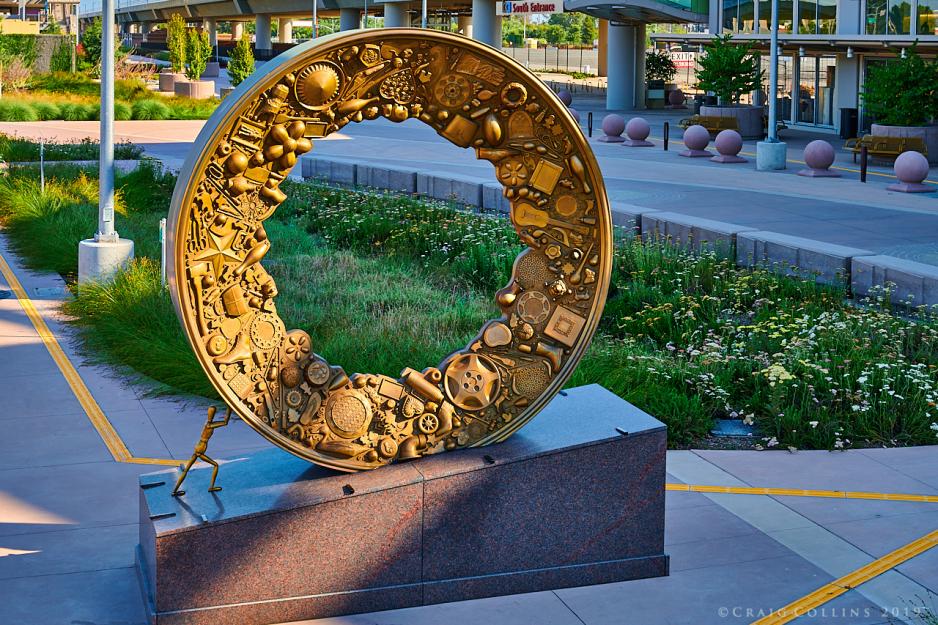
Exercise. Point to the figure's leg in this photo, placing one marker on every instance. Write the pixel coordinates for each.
(185, 472)
(212, 488)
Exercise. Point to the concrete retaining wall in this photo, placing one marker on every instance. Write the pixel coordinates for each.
(864, 270)
(828, 263)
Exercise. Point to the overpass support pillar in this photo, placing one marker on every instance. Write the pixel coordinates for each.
(348, 19)
(640, 66)
(237, 30)
(620, 65)
(484, 21)
(285, 30)
(396, 15)
(262, 35)
(464, 25)
(211, 27)
(603, 47)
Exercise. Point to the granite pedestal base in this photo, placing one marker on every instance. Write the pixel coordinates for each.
(574, 498)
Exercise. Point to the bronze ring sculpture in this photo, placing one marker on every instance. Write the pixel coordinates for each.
(476, 98)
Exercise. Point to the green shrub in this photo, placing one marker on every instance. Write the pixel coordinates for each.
(187, 108)
(91, 42)
(63, 82)
(176, 42)
(902, 91)
(131, 89)
(198, 52)
(13, 111)
(241, 61)
(61, 59)
(150, 109)
(47, 110)
(123, 111)
(75, 112)
(16, 150)
(21, 47)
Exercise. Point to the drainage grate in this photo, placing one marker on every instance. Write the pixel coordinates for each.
(51, 291)
(731, 427)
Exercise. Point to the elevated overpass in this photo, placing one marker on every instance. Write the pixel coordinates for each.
(621, 25)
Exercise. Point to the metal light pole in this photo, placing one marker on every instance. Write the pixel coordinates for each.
(423, 14)
(773, 77)
(772, 154)
(101, 257)
(315, 19)
(106, 163)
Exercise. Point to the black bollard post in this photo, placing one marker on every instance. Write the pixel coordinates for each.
(667, 130)
(589, 123)
(864, 156)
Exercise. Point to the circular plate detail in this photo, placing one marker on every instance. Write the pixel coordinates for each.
(471, 96)
(472, 381)
(318, 86)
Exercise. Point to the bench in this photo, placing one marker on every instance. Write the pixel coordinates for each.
(713, 124)
(885, 147)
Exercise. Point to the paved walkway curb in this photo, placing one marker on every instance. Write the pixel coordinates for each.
(863, 270)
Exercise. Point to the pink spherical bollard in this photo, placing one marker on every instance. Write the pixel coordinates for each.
(565, 96)
(676, 99)
(638, 130)
(575, 113)
(696, 139)
(911, 169)
(613, 127)
(819, 156)
(728, 143)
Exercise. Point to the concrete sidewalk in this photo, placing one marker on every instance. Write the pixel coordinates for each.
(839, 211)
(68, 510)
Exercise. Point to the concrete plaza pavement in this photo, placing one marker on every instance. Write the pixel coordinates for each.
(69, 508)
(841, 211)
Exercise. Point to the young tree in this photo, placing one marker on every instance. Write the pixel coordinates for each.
(241, 61)
(902, 91)
(659, 66)
(91, 42)
(198, 52)
(729, 70)
(176, 43)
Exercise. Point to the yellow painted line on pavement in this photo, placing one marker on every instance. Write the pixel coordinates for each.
(801, 492)
(109, 435)
(850, 581)
(164, 461)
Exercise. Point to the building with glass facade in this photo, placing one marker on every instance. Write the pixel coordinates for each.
(827, 48)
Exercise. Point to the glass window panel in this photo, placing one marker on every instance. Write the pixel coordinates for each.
(900, 15)
(806, 88)
(927, 22)
(747, 16)
(807, 16)
(875, 17)
(827, 67)
(783, 101)
(730, 15)
(827, 17)
(784, 16)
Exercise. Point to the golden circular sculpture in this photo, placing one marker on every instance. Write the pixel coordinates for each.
(474, 97)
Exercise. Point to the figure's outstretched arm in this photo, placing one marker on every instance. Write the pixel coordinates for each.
(222, 423)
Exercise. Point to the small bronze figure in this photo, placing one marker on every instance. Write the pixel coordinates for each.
(199, 452)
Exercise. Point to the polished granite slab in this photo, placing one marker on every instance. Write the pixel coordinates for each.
(575, 498)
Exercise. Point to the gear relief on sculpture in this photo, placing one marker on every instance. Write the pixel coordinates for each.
(472, 96)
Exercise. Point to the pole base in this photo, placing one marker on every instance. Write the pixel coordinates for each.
(98, 261)
(771, 156)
